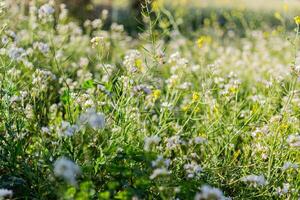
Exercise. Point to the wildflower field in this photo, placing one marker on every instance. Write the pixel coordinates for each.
(196, 103)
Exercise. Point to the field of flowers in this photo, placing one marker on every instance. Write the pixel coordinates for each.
(88, 112)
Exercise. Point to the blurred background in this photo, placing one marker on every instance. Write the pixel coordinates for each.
(189, 15)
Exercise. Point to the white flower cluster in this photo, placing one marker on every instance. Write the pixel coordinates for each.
(95, 120)
(150, 141)
(281, 191)
(192, 169)
(98, 40)
(294, 140)
(45, 11)
(289, 165)
(67, 129)
(172, 81)
(66, 169)
(88, 118)
(5, 193)
(130, 60)
(210, 193)
(173, 142)
(161, 167)
(254, 180)
(198, 140)
(142, 88)
(40, 80)
(42, 47)
(16, 53)
(177, 62)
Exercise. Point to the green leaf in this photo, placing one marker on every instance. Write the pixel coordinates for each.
(88, 84)
(104, 195)
(65, 97)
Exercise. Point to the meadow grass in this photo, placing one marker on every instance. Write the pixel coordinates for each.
(93, 113)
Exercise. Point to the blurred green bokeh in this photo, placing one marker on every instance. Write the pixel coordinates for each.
(191, 15)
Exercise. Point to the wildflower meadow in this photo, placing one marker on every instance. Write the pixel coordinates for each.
(194, 102)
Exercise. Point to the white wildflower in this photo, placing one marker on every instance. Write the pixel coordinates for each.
(160, 161)
(142, 88)
(97, 23)
(260, 99)
(172, 81)
(29, 111)
(16, 53)
(116, 28)
(297, 68)
(173, 142)
(130, 60)
(5, 193)
(254, 180)
(294, 140)
(166, 105)
(161, 167)
(42, 47)
(185, 85)
(149, 141)
(198, 140)
(97, 41)
(46, 10)
(289, 165)
(192, 169)
(67, 129)
(260, 131)
(159, 172)
(4, 40)
(92, 118)
(45, 130)
(210, 193)
(284, 190)
(66, 169)
(104, 14)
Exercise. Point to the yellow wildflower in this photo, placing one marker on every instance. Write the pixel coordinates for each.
(197, 110)
(185, 107)
(297, 20)
(156, 94)
(202, 40)
(232, 90)
(278, 16)
(156, 5)
(139, 65)
(196, 96)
